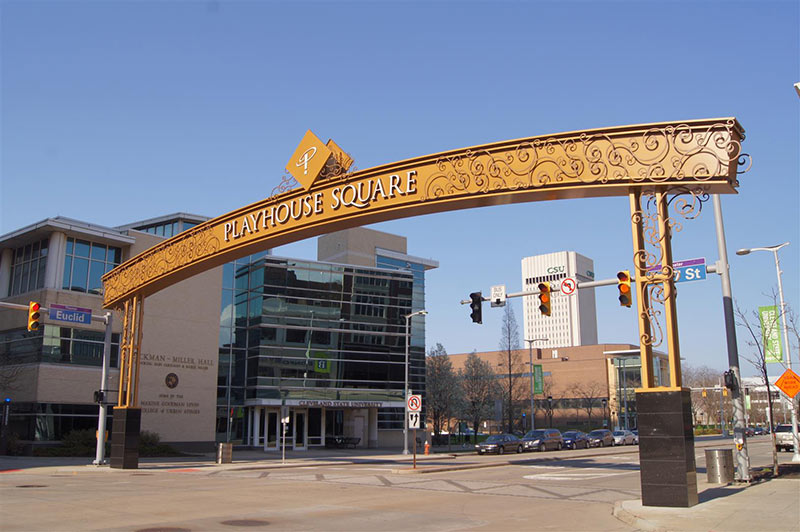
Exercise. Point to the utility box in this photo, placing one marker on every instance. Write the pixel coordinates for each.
(719, 466)
(224, 453)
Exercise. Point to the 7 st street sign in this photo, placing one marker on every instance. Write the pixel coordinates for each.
(687, 270)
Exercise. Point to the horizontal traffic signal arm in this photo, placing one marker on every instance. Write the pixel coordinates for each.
(710, 268)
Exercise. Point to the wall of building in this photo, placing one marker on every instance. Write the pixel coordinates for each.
(180, 357)
(357, 246)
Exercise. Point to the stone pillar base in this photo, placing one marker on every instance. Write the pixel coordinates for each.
(125, 438)
(666, 449)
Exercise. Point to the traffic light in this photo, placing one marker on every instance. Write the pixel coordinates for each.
(730, 379)
(624, 287)
(477, 307)
(544, 298)
(33, 316)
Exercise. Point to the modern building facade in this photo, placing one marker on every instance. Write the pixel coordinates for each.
(225, 354)
(573, 321)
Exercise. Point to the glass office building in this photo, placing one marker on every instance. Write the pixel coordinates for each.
(325, 342)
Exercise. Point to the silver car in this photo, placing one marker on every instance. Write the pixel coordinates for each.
(783, 438)
(624, 437)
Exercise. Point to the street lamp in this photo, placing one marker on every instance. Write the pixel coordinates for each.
(774, 250)
(530, 363)
(405, 385)
(550, 409)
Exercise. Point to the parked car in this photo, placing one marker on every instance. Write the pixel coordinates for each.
(635, 437)
(749, 431)
(601, 438)
(575, 439)
(783, 438)
(542, 440)
(499, 443)
(759, 431)
(623, 437)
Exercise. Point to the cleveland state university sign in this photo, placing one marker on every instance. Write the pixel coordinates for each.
(701, 155)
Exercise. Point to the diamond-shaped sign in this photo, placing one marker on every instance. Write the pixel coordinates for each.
(789, 383)
(308, 160)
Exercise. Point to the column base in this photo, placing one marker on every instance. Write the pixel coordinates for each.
(666, 448)
(125, 438)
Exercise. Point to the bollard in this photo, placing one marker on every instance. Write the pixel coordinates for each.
(224, 453)
(719, 466)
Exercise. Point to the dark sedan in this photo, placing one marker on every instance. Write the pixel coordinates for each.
(575, 439)
(601, 438)
(500, 443)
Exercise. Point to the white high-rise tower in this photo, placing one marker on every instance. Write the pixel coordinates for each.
(573, 320)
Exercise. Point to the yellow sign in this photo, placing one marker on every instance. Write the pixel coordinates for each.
(701, 156)
(789, 383)
(308, 160)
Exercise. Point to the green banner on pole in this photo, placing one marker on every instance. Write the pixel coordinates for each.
(770, 333)
(537, 379)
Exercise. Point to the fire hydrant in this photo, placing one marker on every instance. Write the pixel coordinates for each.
(427, 448)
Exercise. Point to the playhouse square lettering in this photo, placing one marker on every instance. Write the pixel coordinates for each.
(359, 195)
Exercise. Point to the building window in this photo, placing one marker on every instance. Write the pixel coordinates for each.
(65, 345)
(27, 268)
(85, 264)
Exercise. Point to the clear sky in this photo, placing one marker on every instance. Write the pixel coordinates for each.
(114, 112)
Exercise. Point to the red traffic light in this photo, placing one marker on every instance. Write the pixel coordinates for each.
(33, 316)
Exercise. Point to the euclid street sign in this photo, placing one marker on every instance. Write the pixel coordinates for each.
(70, 314)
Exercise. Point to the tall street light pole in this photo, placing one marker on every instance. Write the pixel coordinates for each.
(530, 363)
(405, 385)
(774, 250)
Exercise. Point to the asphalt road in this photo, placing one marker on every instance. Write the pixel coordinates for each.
(565, 490)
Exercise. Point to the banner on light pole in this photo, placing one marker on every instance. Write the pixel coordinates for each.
(770, 333)
(537, 379)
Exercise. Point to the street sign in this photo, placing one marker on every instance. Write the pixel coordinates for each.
(789, 383)
(413, 420)
(568, 286)
(414, 403)
(499, 296)
(686, 270)
(70, 314)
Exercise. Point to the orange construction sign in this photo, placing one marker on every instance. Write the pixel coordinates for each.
(789, 383)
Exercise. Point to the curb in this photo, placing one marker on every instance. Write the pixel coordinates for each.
(633, 520)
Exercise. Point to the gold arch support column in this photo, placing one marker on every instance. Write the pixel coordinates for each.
(667, 464)
(127, 414)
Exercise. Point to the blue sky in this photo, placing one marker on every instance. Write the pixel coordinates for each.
(121, 111)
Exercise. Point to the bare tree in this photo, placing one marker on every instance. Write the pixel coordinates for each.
(479, 390)
(704, 402)
(589, 395)
(758, 358)
(443, 389)
(511, 360)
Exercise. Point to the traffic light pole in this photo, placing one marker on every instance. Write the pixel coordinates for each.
(101, 416)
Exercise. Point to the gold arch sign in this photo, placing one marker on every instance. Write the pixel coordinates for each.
(700, 154)
(658, 166)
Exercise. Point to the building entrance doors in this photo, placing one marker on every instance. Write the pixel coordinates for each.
(272, 431)
(300, 431)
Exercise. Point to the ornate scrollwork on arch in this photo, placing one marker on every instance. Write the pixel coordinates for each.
(683, 152)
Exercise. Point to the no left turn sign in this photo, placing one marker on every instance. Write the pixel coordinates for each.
(568, 286)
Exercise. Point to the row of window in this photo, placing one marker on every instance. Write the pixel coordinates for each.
(545, 278)
(28, 267)
(56, 345)
(85, 264)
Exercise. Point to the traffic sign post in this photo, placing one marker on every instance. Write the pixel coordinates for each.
(499, 296)
(414, 403)
(568, 286)
(70, 314)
